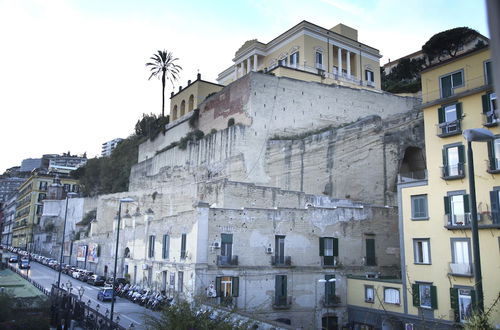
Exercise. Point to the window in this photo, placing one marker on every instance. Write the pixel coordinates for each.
(330, 297)
(43, 185)
(460, 257)
(453, 162)
(151, 251)
(319, 60)
(172, 280)
(421, 251)
(280, 289)
(369, 294)
(419, 207)
(370, 252)
(164, 281)
(450, 117)
(488, 73)
(227, 287)
(490, 108)
(494, 155)
(391, 296)
(66, 187)
(183, 246)
(283, 61)
(462, 303)
(279, 250)
(165, 247)
(424, 295)
(39, 209)
(450, 82)
(180, 277)
(294, 59)
(328, 249)
(369, 76)
(457, 210)
(495, 206)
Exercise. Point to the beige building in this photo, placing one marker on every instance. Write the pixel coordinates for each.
(311, 53)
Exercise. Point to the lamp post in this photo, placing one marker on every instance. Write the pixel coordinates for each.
(477, 135)
(123, 200)
(70, 194)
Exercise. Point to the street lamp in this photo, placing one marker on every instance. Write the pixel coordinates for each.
(68, 195)
(477, 135)
(123, 200)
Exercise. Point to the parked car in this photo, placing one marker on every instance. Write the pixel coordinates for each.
(84, 276)
(13, 259)
(96, 280)
(105, 294)
(24, 264)
(119, 280)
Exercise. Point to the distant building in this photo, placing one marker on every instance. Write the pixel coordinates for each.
(9, 214)
(8, 185)
(108, 147)
(66, 164)
(30, 164)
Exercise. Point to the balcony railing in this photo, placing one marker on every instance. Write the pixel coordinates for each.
(460, 269)
(453, 171)
(457, 220)
(282, 302)
(412, 176)
(490, 119)
(228, 302)
(281, 261)
(227, 261)
(449, 128)
(330, 301)
(329, 262)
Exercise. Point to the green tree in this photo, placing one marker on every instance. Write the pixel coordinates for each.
(448, 42)
(163, 66)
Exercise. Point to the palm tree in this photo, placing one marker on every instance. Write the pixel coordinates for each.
(163, 64)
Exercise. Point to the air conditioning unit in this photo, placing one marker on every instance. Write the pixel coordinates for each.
(145, 266)
(371, 275)
(269, 250)
(216, 244)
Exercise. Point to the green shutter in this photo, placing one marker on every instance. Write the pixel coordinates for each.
(454, 303)
(218, 286)
(335, 247)
(495, 207)
(445, 156)
(491, 155)
(459, 110)
(226, 238)
(486, 102)
(329, 288)
(441, 116)
(473, 300)
(370, 252)
(461, 154)
(446, 205)
(321, 246)
(434, 303)
(415, 292)
(466, 204)
(236, 286)
(446, 87)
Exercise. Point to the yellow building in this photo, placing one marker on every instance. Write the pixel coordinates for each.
(187, 99)
(311, 53)
(435, 213)
(30, 207)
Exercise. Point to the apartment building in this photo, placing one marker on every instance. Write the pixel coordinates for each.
(311, 53)
(9, 213)
(108, 147)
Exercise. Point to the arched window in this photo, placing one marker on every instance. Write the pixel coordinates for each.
(126, 254)
(174, 113)
(183, 108)
(191, 103)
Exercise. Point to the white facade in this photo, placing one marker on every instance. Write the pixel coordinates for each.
(108, 147)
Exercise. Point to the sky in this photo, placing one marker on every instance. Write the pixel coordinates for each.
(73, 75)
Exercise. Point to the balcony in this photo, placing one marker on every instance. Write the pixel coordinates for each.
(281, 261)
(452, 172)
(329, 262)
(449, 128)
(228, 302)
(227, 261)
(461, 269)
(490, 119)
(330, 301)
(493, 165)
(282, 302)
(412, 176)
(457, 221)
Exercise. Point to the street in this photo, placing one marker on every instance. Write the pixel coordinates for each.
(128, 312)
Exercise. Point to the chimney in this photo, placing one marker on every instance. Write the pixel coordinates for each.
(171, 94)
(189, 82)
(180, 88)
(199, 76)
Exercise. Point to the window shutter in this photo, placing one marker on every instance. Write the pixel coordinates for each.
(370, 252)
(466, 204)
(491, 155)
(445, 156)
(459, 110)
(366, 74)
(335, 247)
(415, 292)
(321, 246)
(236, 286)
(441, 116)
(486, 103)
(446, 205)
(494, 207)
(329, 287)
(434, 303)
(461, 154)
(454, 303)
(218, 286)
(227, 238)
(473, 300)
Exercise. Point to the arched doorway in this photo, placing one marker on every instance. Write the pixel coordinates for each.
(329, 322)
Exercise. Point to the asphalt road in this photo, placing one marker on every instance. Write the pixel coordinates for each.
(129, 312)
